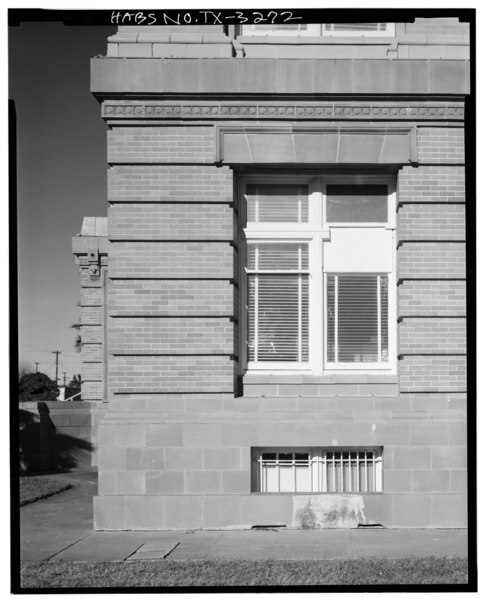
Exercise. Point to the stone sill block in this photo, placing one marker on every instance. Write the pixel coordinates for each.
(414, 40)
(330, 379)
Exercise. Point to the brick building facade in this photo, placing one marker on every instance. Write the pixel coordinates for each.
(274, 321)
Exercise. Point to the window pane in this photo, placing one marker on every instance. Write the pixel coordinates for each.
(277, 256)
(282, 27)
(357, 203)
(278, 318)
(357, 318)
(330, 326)
(277, 203)
(357, 26)
(384, 317)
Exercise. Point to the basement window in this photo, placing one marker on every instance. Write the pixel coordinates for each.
(317, 470)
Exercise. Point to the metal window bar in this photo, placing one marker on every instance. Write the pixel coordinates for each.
(329, 471)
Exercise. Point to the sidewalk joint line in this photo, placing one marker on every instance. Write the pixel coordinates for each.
(69, 546)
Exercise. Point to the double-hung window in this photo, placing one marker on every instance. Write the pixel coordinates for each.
(319, 280)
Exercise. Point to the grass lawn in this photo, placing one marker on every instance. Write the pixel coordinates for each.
(190, 573)
(33, 488)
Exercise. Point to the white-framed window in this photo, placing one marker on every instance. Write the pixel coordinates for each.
(324, 29)
(282, 29)
(317, 470)
(359, 29)
(318, 286)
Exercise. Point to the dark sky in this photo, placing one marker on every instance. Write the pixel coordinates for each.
(61, 177)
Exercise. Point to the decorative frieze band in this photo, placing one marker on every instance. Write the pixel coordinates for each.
(323, 110)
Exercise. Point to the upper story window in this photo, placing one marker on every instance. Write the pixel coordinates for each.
(354, 29)
(319, 285)
(324, 29)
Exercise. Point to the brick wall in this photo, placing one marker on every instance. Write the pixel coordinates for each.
(440, 146)
(161, 144)
(92, 305)
(173, 263)
(431, 269)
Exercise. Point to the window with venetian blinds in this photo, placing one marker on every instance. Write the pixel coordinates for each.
(285, 224)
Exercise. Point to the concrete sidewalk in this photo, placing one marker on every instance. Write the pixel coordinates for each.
(61, 528)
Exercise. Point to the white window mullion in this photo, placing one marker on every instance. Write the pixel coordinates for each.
(358, 471)
(378, 303)
(256, 317)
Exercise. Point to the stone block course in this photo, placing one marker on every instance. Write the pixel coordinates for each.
(451, 457)
(184, 458)
(449, 511)
(226, 458)
(203, 482)
(236, 482)
(144, 512)
(411, 458)
(412, 511)
(166, 482)
(164, 435)
(431, 481)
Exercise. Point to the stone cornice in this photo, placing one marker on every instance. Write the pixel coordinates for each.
(284, 110)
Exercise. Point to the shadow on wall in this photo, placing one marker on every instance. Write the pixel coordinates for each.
(43, 448)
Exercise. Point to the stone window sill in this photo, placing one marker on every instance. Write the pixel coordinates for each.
(327, 379)
(311, 40)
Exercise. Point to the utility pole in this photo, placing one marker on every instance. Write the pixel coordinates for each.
(56, 352)
(37, 366)
(65, 374)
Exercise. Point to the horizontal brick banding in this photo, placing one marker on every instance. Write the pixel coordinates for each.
(92, 333)
(91, 315)
(92, 390)
(171, 374)
(161, 144)
(172, 222)
(431, 260)
(431, 222)
(432, 373)
(426, 335)
(431, 184)
(92, 352)
(175, 335)
(177, 260)
(171, 298)
(168, 183)
(91, 296)
(440, 145)
(432, 298)
(92, 371)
